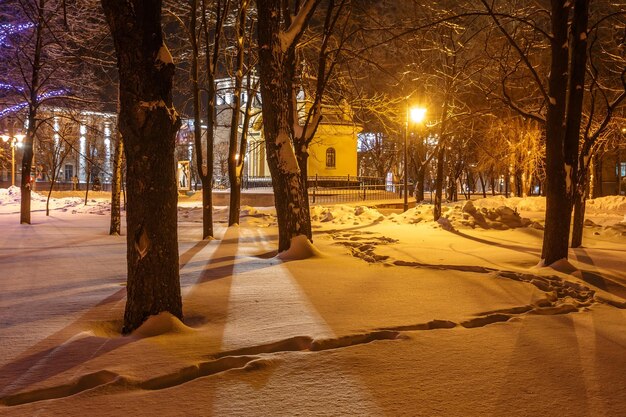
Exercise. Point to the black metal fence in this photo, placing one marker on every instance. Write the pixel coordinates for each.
(350, 194)
(337, 189)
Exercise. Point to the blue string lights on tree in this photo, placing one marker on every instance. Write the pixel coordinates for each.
(6, 30)
(40, 98)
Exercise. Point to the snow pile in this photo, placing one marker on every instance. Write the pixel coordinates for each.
(343, 214)
(613, 203)
(93, 207)
(162, 323)
(516, 203)
(422, 212)
(501, 217)
(300, 248)
(467, 215)
(9, 195)
(261, 212)
(10, 199)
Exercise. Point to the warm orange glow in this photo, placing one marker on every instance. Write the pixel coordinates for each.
(417, 114)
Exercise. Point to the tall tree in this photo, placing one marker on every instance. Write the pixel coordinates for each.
(562, 97)
(237, 142)
(149, 123)
(281, 25)
(606, 88)
(116, 186)
(208, 34)
(42, 49)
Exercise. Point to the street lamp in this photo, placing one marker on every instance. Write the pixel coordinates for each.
(14, 141)
(416, 115)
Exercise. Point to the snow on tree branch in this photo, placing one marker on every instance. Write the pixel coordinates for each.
(298, 24)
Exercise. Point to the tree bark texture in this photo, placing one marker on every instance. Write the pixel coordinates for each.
(148, 122)
(27, 164)
(235, 158)
(26, 182)
(116, 188)
(580, 202)
(419, 183)
(576, 83)
(439, 183)
(205, 175)
(558, 206)
(276, 88)
(596, 182)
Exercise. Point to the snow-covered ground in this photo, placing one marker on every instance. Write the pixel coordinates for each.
(387, 314)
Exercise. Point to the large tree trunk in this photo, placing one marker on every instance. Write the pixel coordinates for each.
(419, 183)
(204, 156)
(27, 164)
(482, 184)
(580, 200)
(275, 54)
(235, 159)
(116, 188)
(576, 82)
(53, 179)
(27, 157)
(439, 183)
(206, 176)
(148, 122)
(596, 182)
(558, 207)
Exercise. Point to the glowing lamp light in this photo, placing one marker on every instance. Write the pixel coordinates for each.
(417, 114)
(16, 140)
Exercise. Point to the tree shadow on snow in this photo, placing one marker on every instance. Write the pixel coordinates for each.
(62, 350)
(597, 280)
(516, 248)
(74, 344)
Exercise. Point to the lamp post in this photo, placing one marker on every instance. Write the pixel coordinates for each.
(619, 163)
(415, 114)
(14, 141)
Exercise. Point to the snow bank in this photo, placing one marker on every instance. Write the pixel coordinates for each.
(612, 203)
(10, 199)
(466, 215)
(9, 195)
(93, 207)
(300, 248)
(343, 214)
(496, 212)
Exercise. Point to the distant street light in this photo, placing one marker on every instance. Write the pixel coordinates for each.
(15, 140)
(416, 115)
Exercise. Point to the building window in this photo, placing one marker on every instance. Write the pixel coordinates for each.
(330, 158)
(69, 172)
(621, 169)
